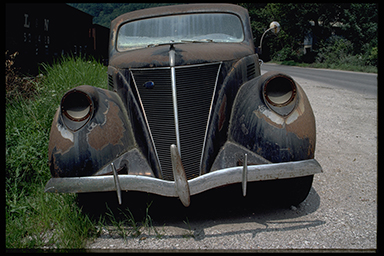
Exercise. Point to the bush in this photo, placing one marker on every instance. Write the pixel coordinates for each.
(337, 53)
(286, 54)
(373, 56)
(333, 50)
(17, 86)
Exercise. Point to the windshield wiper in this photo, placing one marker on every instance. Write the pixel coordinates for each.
(168, 43)
(182, 41)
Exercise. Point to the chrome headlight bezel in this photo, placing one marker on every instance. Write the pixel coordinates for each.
(76, 108)
(280, 94)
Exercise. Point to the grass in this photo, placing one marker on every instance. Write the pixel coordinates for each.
(189, 233)
(128, 226)
(35, 219)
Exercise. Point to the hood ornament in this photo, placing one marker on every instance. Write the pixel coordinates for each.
(149, 85)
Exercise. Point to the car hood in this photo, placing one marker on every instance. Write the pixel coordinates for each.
(186, 54)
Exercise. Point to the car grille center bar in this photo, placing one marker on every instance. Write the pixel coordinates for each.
(174, 94)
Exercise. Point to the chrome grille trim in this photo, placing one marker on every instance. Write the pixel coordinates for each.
(190, 81)
(209, 118)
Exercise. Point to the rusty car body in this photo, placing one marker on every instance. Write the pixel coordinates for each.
(187, 110)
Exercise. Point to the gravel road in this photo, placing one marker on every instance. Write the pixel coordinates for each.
(339, 213)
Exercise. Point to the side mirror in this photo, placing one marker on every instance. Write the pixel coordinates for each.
(275, 27)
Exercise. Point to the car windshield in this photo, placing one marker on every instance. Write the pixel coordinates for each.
(186, 28)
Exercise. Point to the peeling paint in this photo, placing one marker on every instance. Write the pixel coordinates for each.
(110, 132)
(296, 113)
(304, 125)
(66, 134)
(269, 116)
(59, 138)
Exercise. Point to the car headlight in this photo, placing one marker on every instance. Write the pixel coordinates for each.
(76, 108)
(279, 92)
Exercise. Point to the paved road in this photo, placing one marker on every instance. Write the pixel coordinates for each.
(356, 81)
(340, 211)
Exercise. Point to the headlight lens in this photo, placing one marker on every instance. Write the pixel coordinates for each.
(76, 109)
(279, 91)
(76, 105)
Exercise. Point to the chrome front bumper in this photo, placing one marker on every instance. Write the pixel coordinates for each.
(181, 187)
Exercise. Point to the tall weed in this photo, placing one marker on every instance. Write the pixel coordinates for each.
(35, 219)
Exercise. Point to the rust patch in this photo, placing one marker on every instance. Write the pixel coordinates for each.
(304, 126)
(109, 133)
(60, 137)
(222, 112)
(300, 122)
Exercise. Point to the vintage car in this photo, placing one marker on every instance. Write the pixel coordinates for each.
(187, 110)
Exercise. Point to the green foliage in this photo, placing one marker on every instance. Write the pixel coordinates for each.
(128, 226)
(334, 48)
(360, 25)
(285, 54)
(354, 24)
(33, 218)
(373, 56)
(337, 52)
(104, 13)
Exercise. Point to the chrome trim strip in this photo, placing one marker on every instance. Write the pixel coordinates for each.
(174, 95)
(209, 118)
(146, 121)
(117, 183)
(197, 185)
(178, 67)
(245, 175)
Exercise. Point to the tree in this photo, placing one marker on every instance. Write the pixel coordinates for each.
(360, 25)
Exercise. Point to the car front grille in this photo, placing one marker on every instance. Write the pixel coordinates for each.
(195, 87)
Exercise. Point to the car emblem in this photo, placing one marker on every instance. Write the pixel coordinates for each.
(149, 85)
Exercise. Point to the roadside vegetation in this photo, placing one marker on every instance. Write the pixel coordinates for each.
(336, 35)
(35, 219)
(335, 54)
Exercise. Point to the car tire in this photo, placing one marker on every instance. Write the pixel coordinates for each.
(293, 191)
(283, 192)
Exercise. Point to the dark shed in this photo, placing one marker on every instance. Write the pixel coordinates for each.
(41, 32)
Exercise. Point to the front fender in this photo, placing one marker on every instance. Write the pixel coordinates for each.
(277, 138)
(83, 147)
